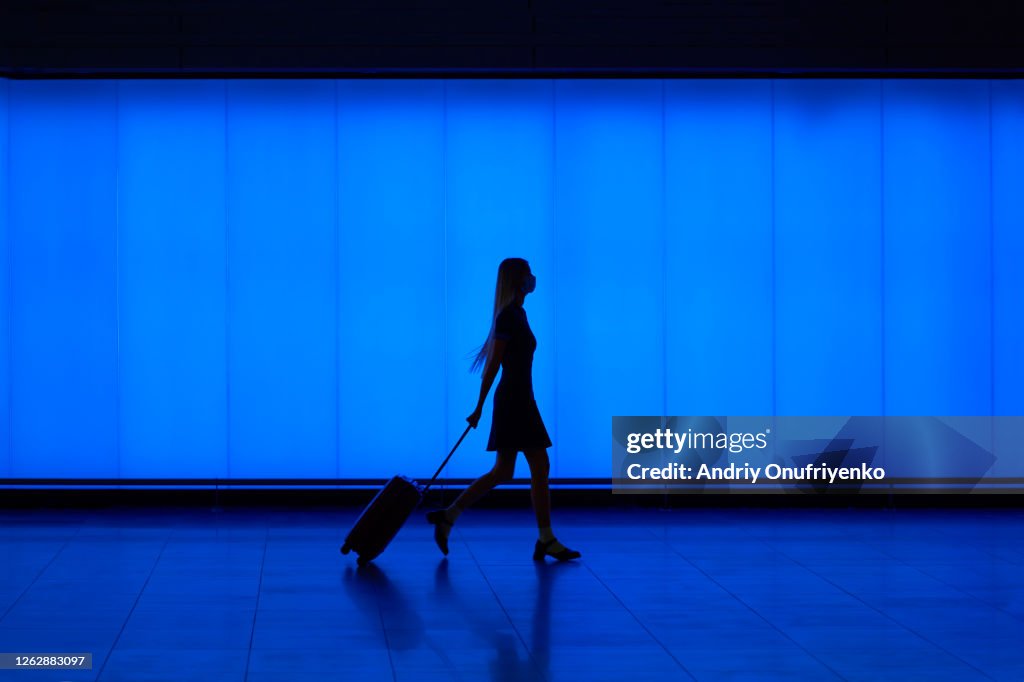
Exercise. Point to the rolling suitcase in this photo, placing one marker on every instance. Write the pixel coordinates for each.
(388, 512)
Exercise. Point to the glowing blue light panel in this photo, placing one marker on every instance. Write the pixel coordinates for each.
(5, 332)
(172, 279)
(391, 306)
(1008, 244)
(287, 278)
(716, 256)
(499, 149)
(281, 226)
(62, 230)
(937, 245)
(610, 287)
(1007, 255)
(828, 238)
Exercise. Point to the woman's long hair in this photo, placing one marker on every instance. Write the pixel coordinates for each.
(511, 274)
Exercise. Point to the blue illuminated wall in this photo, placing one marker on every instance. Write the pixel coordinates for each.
(286, 278)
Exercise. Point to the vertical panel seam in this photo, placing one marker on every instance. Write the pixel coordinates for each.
(10, 286)
(881, 248)
(663, 222)
(337, 291)
(991, 259)
(881, 234)
(444, 257)
(664, 257)
(775, 389)
(117, 275)
(227, 301)
(556, 465)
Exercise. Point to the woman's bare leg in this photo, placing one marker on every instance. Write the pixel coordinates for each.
(503, 469)
(539, 493)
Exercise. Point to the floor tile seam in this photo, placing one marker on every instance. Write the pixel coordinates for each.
(39, 573)
(156, 562)
(747, 532)
(501, 605)
(940, 534)
(259, 592)
(759, 615)
(384, 631)
(943, 582)
(885, 615)
(942, 531)
(640, 622)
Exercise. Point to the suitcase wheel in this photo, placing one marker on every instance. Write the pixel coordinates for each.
(345, 549)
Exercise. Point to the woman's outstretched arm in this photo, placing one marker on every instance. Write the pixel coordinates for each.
(490, 371)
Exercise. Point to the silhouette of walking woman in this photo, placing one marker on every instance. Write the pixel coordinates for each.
(516, 424)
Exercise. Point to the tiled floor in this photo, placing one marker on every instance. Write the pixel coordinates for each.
(263, 595)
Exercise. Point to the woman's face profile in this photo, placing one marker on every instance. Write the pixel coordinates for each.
(529, 281)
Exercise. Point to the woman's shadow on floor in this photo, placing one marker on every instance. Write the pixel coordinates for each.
(507, 665)
(372, 591)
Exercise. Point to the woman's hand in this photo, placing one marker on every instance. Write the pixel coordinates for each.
(474, 418)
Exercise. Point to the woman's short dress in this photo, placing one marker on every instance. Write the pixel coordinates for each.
(516, 423)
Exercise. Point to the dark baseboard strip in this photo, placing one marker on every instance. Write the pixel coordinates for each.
(499, 498)
(361, 72)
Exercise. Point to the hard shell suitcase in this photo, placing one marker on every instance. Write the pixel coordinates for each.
(387, 513)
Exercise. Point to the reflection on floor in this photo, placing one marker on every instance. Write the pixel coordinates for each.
(263, 595)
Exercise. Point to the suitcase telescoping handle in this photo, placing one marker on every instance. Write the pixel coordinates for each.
(436, 473)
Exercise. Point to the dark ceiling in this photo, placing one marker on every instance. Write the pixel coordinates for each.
(501, 36)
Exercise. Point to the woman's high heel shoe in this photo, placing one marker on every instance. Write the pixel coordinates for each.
(540, 550)
(440, 519)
